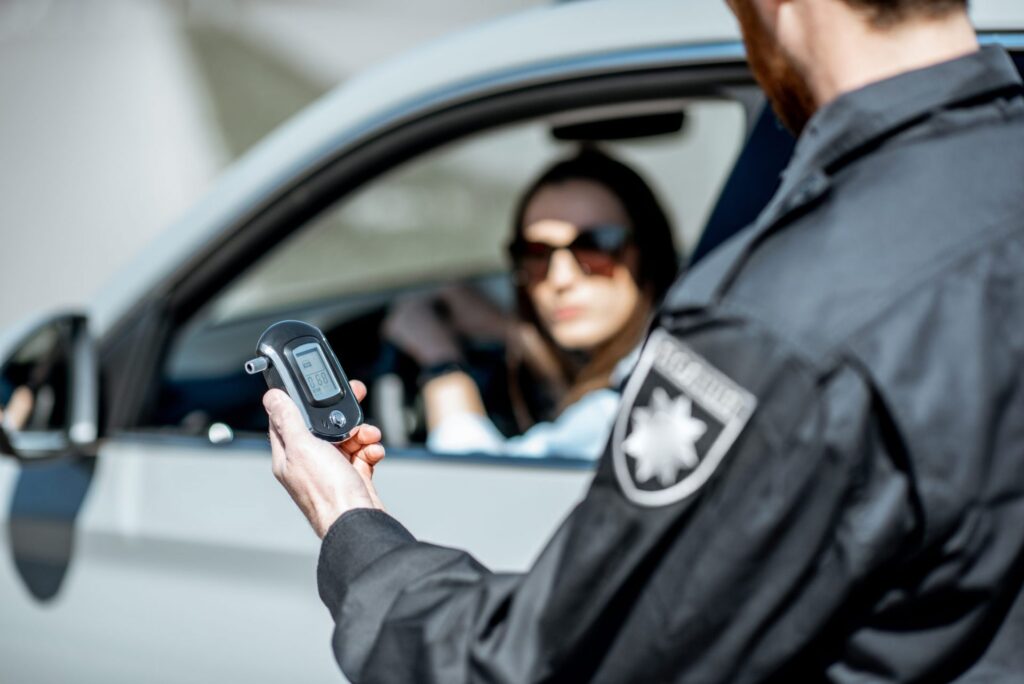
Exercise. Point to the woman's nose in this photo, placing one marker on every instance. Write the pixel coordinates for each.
(563, 270)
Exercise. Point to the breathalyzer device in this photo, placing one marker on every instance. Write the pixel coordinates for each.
(295, 357)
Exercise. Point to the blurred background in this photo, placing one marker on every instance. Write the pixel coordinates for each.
(116, 115)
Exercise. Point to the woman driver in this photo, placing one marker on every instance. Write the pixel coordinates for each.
(592, 253)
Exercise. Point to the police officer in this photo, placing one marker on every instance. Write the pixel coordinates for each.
(818, 468)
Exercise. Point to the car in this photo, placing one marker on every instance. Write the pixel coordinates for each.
(145, 537)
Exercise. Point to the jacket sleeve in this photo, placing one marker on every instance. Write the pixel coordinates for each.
(736, 580)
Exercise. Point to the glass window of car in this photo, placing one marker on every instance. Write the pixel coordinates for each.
(439, 218)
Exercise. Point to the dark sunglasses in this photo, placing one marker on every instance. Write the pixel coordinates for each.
(597, 250)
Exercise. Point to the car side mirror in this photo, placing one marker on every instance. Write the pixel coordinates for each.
(49, 391)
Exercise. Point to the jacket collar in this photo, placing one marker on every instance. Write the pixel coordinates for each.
(857, 119)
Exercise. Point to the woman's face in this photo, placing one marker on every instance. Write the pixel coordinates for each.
(580, 311)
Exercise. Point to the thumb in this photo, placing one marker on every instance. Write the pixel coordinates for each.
(284, 416)
(358, 389)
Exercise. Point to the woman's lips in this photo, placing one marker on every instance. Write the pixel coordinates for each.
(567, 313)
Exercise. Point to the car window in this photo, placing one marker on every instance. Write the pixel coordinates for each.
(440, 218)
(443, 215)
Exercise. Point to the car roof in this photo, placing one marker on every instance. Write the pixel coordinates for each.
(540, 36)
(470, 60)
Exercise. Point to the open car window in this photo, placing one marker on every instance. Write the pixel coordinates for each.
(440, 218)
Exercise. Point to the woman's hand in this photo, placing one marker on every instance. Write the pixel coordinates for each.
(324, 480)
(474, 315)
(414, 326)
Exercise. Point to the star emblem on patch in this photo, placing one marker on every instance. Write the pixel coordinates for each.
(679, 417)
(664, 437)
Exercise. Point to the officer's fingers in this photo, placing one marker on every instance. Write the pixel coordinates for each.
(358, 389)
(362, 436)
(364, 469)
(365, 472)
(277, 454)
(371, 454)
(355, 447)
(285, 417)
(367, 434)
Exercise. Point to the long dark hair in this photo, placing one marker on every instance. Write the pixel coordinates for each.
(570, 375)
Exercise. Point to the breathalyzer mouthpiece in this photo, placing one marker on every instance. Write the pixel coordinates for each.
(257, 365)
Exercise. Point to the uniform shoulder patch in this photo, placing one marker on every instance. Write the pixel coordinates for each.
(679, 417)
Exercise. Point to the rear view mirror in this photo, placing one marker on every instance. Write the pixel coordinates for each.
(622, 128)
(49, 391)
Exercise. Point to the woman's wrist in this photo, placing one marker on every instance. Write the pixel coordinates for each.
(449, 394)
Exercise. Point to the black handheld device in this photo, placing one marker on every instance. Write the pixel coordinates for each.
(295, 357)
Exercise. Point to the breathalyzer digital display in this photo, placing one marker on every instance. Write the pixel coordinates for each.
(313, 367)
(295, 357)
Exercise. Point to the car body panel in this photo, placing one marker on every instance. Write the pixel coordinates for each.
(199, 558)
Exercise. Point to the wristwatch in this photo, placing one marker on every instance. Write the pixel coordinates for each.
(436, 370)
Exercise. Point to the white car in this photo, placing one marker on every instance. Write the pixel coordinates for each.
(145, 539)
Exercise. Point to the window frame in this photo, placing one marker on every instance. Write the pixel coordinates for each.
(513, 97)
(400, 135)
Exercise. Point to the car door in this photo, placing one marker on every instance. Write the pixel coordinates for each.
(181, 557)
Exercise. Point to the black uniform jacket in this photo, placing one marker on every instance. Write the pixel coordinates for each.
(818, 469)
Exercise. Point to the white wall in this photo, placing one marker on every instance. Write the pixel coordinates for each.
(107, 133)
(102, 138)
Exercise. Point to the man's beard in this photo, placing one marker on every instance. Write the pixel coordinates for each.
(786, 89)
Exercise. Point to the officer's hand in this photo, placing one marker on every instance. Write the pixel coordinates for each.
(323, 480)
